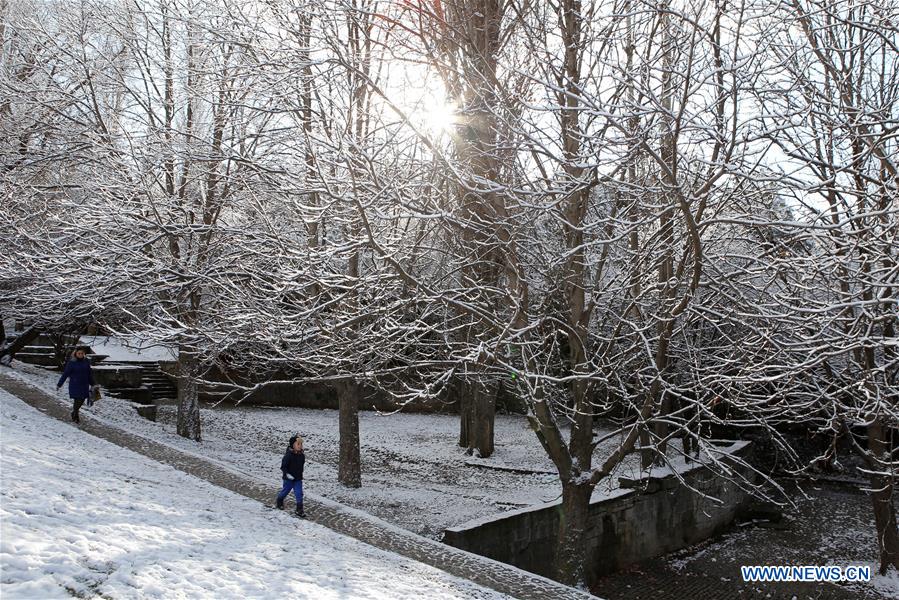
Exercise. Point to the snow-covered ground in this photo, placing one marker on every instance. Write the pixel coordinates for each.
(414, 473)
(83, 517)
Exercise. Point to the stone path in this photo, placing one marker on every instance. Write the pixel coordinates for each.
(488, 573)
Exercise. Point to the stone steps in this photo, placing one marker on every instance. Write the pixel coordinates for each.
(43, 359)
(152, 385)
(159, 384)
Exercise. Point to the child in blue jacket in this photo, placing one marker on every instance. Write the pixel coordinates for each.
(78, 372)
(292, 474)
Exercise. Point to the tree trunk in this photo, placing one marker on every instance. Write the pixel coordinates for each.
(188, 404)
(24, 338)
(478, 414)
(465, 408)
(349, 469)
(63, 345)
(882, 498)
(664, 327)
(571, 553)
(647, 450)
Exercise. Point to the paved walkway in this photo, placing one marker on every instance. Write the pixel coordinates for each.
(488, 573)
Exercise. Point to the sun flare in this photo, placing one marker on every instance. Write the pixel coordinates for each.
(439, 117)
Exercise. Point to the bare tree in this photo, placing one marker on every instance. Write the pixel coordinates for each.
(166, 124)
(597, 229)
(588, 143)
(831, 110)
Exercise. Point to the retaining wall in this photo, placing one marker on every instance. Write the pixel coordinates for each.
(658, 516)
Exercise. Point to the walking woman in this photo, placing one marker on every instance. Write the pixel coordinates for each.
(78, 372)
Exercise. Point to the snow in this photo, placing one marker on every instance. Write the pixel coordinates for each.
(830, 526)
(678, 465)
(400, 452)
(83, 517)
(414, 475)
(128, 349)
(888, 584)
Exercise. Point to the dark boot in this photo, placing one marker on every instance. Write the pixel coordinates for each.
(300, 512)
(78, 404)
(279, 503)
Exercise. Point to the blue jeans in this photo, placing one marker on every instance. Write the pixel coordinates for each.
(296, 485)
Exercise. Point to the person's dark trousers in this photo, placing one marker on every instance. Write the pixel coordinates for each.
(297, 486)
(78, 403)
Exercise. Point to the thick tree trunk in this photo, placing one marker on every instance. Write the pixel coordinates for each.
(647, 450)
(24, 338)
(571, 557)
(882, 499)
(349, 470)
(478, 414)
(188, 404)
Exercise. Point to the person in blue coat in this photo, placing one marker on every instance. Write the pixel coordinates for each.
(292, 474)
(78, 372)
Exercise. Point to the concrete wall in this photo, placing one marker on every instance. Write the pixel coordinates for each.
(660, 516)
(117, 376)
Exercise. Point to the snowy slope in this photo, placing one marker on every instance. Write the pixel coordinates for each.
(83, 517)
(414, 474)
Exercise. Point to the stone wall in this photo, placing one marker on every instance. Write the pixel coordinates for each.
(656, 516)
(117, 376)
